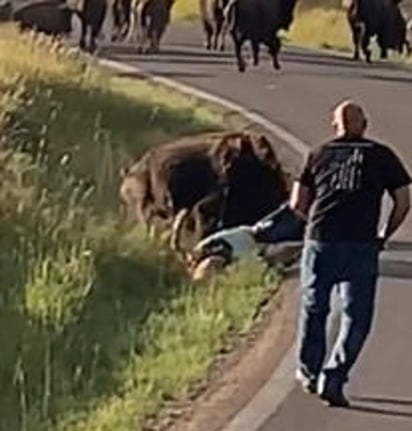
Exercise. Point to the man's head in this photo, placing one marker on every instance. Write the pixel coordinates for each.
(349, 120)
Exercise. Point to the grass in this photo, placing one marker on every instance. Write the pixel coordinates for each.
(98, 325)
(321, 28)
(185, 10)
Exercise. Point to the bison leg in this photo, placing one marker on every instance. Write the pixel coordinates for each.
(219, 21)
(383, 50)
(274, 48)
(92, 42)
(209, 33)
(215, 40)
(83, 33)
(365, 47)
(255, 51)
(238, 42)
(222, 45)
(356, 37)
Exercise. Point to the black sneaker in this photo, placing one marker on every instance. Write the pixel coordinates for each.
(308, 385)
(334, 398)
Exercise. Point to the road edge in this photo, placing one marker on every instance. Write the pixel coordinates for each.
(270, 396)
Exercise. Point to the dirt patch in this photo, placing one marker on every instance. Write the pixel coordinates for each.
(239, 372)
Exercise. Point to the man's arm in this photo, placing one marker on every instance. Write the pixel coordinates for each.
(396, 182)
(301, 194)
(400, 209)
(300, 199)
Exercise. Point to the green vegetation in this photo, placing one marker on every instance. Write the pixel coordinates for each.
(98, 325)
(321, 27)
(185, 9)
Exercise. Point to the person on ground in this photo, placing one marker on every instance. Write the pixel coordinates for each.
(222, 248)
(339, 191)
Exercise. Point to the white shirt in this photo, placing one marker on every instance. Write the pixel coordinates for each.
(240, 238)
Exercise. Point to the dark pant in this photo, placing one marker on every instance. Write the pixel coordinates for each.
(353, 268)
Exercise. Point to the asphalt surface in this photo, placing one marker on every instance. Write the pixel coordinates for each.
(300, 99)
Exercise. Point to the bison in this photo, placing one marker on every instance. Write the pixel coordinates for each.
(213, 180)
(148, 23)
(213, 20)
(380, 18)
(259, 22)
(92, 14)
(52, 17)
(6, 11)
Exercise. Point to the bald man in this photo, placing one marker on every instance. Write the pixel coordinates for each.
(339, 191)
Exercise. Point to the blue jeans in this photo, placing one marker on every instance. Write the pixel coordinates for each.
(353, 268)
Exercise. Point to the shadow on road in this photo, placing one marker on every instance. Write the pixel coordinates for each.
(186, 74)
(384, 400)
(166, 52)
(323, 59)
(399, 246)
(381, 412)
(395, 269)
(188, 60)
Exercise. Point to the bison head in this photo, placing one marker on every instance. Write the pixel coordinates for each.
(243, 147)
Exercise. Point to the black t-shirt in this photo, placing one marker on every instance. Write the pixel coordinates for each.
(347, 180)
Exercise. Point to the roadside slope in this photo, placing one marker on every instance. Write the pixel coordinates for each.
(99, 326)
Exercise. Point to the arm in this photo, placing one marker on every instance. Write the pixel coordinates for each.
(301, 194)
(400, 209)
(397, 182)
(300, 199)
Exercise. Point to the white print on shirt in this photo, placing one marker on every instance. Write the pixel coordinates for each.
(347, 175)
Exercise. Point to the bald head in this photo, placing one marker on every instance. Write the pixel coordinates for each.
(349, 120)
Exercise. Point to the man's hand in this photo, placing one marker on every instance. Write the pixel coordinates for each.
(300, 199)
(401, 207)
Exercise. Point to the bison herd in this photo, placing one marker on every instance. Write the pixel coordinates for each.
(143, 23)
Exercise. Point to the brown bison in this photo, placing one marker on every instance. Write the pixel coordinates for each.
(213, 180)
(6, 11)
(380, 18)
(52, 17)
(259, 22)
(148, 22)
(213, 20)
(92, 14)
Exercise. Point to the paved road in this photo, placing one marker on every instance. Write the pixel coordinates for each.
(299, 99)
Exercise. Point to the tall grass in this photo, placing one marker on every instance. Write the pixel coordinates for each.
(321, 27)
(98, 325)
